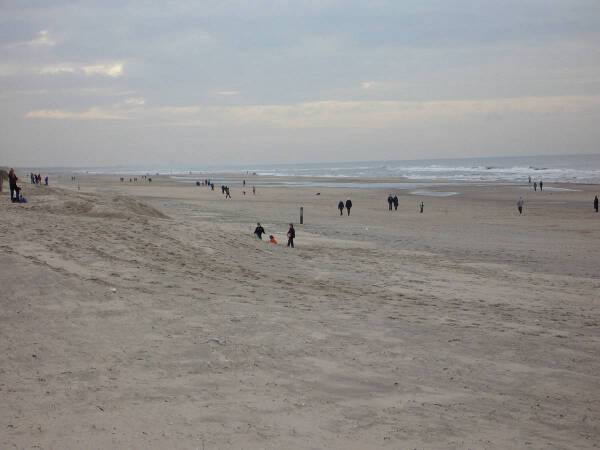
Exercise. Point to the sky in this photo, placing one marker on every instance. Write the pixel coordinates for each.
(109, 83)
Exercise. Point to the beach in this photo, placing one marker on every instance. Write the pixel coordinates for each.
(147, 315)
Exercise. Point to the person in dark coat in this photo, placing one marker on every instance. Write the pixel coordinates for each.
(520, 203)
(395, 202)
(390, 201)
(291, 235)
(12, 184)
(596, 203)
(341, 207)
(541, 185)
(348, 205)
(259, 231)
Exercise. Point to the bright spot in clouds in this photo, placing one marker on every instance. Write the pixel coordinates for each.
(114, 70)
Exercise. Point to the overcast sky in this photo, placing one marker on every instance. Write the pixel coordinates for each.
(265, 81)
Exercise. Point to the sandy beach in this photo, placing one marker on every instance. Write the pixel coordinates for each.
(147, 315)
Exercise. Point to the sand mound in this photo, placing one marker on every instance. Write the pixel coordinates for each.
(137, 207)
(95, 205)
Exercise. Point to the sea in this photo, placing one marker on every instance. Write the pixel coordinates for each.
(407, 173)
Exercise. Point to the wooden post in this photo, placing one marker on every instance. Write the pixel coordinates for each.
(301, 215)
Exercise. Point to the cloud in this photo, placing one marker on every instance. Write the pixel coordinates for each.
(57, 70)
(228, 93)
(110, 70)
(327, 113)
(90, 114)
(43, 38)
(135, 101)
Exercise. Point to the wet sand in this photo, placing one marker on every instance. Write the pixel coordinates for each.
(148, 316)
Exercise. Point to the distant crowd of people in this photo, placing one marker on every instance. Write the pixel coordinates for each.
(536, 184)
(225, 189)
(37, 179)
(209, 184)
(135, 179)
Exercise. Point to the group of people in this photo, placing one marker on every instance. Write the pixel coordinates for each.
(291, 234)
(347, 205)
(225, 190)
(393, 201)
(209, 184)
(134, 179)
(37, 179)
(536, 184)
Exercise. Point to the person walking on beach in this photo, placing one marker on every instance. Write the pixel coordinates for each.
(227, 194)
(520, 205)
(390, 201)
(291, 235)
(535, 185)
(253, 190)
(341, 207)
(529, 179)
(259, 231)
(421, 206)
(395, 202)
(541, 185)
(348, 205)
(596, 203)
(12, 184)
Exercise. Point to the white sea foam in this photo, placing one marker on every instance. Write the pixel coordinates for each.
(569, 169)
(434, 193)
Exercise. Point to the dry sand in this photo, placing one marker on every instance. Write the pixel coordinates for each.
(147, 316)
